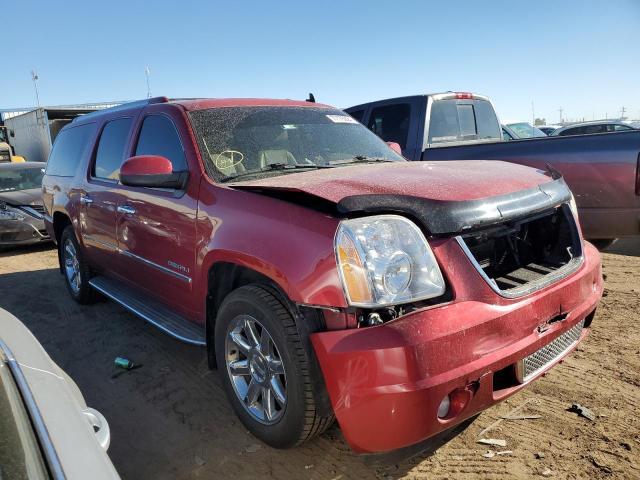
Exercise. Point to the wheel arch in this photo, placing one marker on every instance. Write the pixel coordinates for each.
(61, 220)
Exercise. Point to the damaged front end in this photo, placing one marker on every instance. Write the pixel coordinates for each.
(22, 225)
(520, 292)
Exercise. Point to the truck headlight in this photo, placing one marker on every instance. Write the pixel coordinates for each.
(10, 213)
(385, 260)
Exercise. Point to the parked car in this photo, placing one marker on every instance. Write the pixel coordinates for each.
(522, 130)
(548, 129)
(47, 429)
(601, 170)
(21, 210)
(588, 128)
(324, 273)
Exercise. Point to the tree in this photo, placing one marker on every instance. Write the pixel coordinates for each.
(539, 121)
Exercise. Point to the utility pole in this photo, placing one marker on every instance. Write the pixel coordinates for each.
(147, 73)
(622, 110)
(34, 79)
(560, 110)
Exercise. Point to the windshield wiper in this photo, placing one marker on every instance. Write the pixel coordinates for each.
(360, 159)
(275, 167)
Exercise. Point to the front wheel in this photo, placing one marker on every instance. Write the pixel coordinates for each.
(265, 369)
(74, 268)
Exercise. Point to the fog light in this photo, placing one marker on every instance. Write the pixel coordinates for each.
(454, 403)
(443, 409)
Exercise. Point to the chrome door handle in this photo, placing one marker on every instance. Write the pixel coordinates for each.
(126, 209)
(86, 200)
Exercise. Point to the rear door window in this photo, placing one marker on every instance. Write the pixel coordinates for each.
(68, 150)
(621, 128)
(111, 149)
(458, 120)
(391, 123)
(158, 136)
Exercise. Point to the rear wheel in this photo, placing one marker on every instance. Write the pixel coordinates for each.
(265, 369)
(74, 268)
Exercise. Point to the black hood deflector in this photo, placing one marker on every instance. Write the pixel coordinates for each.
(441, 217)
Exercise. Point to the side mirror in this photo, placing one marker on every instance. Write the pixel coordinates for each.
(151, 171)
(12, 133)
(395, 147)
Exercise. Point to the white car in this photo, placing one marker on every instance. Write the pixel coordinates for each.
(46, 429)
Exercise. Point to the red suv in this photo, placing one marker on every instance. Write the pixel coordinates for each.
(325, 275)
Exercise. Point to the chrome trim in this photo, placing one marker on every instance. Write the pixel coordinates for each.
(134, 310)
(163, 269)
(126, 209)
(531, 365)
(116, 248)
(31, 211)
(91, 239)
(54, 464)
(85, 200)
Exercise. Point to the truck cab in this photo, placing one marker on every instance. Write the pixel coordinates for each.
(432, 120)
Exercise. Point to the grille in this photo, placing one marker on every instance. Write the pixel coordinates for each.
(537, 361)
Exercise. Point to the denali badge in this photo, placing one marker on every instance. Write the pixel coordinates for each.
(177, 266)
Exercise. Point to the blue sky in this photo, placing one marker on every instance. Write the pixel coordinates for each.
(582, 56)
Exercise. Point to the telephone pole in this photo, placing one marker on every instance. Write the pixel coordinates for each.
(34, 79)
(622, 111)
(147, 73)
(560, 110)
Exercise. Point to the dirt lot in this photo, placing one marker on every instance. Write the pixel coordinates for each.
(170, 419)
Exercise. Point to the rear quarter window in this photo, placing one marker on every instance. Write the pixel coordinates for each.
(69, 150)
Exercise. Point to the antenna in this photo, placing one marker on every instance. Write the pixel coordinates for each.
(147, 73)
(35, 78)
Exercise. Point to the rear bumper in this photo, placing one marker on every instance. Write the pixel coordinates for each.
(609, 223)
(386, 382)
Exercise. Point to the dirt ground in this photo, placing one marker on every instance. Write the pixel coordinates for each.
(170, 418)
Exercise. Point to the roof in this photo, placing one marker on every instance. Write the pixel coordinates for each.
(191, 104)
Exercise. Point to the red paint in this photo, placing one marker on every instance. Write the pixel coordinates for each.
(385, 382)
(398, 373)
(146, 165)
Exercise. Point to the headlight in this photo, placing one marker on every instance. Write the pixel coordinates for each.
(574, 207)
(385, 260)
(10, 213)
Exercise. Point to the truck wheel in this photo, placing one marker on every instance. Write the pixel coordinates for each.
(74, 268)
(602, 243)
(265, 369)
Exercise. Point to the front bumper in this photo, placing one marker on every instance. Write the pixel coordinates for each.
(23, 232)
(386, 382)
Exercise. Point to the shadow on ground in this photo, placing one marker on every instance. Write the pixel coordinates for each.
(170, 418)
(625, 246)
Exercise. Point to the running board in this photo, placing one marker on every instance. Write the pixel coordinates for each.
(151, 311)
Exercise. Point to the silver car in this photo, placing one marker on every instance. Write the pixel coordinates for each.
(46, 429)
(588, 128)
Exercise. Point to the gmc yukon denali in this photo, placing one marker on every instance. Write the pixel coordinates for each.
(602, 170)
(326, 276)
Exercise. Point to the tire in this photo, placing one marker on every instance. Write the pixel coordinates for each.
(71, 259)
(286, 424)
(603, 243)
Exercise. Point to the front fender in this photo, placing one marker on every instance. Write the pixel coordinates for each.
(291, 245)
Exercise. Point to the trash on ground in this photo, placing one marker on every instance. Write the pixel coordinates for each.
(539, 455)
(582, 411)
(505, 452)
(124, 363)
(199, 461)
(547, 473)
(253, 448)
(496, 442)
(489, 454)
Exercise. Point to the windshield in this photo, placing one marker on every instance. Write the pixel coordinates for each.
(526, 130)
(12, 179)
(267, 141)
(462, 120)
(3, 136)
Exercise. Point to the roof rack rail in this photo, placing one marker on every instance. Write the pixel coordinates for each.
(124, 106)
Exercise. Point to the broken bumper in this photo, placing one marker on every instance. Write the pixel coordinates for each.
(22, 232)
(387, 382)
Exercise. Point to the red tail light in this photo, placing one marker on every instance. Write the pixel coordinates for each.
(464, 96)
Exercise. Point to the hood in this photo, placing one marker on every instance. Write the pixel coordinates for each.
(441, 181)
(445, 197)
(32, 196)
